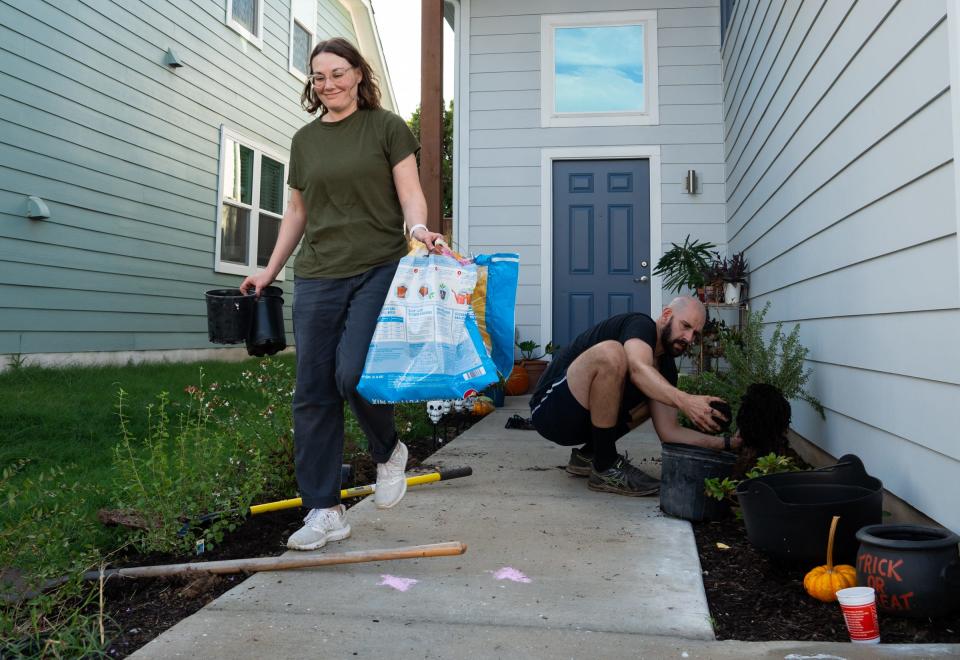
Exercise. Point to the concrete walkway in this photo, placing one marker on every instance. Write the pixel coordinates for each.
(609, 576)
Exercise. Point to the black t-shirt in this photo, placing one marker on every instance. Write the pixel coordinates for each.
(618, 328)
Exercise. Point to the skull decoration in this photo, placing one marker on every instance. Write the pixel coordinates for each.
(446, 405)
(435, 410)
(458, 405)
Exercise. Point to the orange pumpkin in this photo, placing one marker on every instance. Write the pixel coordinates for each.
(824, 582)
(483, 406)
(518, 382)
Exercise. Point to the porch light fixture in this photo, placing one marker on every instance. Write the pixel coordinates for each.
(690, 182)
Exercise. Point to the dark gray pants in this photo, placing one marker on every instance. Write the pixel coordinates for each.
(333, 323)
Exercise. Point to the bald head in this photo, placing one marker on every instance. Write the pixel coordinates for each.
(680, 324)
(687, 305)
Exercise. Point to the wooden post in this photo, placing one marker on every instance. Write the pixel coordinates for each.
(431, 108)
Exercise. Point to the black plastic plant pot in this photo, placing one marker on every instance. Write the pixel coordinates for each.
(229, 315)
(267, 335)
(788, 515)
(682, 476)
(914, 569)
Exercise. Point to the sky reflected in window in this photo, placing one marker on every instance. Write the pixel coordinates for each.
(599, 69)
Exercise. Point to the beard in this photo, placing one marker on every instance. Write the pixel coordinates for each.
(673, 347)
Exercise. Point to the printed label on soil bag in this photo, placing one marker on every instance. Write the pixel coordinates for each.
(426, 344)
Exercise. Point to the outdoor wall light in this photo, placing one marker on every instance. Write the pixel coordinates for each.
(36, 208)
(690, 182)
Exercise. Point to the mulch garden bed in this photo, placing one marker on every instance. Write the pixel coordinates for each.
(753, 598)
(141, 609)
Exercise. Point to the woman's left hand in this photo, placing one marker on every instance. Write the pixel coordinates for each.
(431, 239)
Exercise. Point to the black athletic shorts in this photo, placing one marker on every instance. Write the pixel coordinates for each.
(559, 417)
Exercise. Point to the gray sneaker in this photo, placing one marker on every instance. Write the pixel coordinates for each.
(580, 465)
(391, 479)
(321, 526)
(624, 479)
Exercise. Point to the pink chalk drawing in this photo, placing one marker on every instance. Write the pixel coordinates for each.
(398, 583)
(507, 573)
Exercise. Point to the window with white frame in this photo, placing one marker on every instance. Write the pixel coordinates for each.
(250, 204)
(599, 69)
(246, 17)
(303, 21)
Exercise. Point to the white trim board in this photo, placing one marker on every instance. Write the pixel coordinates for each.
(649, 152)
(953, 32)
(461, 122)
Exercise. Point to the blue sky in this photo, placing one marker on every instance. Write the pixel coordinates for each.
(599, 69)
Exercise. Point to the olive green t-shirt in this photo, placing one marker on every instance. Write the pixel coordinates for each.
(344, 171)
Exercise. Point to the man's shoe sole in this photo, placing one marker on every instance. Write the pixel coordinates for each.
(337, 535)
(578, 471)
(604, 488)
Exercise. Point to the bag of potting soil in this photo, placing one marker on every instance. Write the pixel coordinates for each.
(494, 300)
(426, 344)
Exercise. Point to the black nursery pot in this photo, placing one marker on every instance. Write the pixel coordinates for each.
(683, 471)
(229, 315)
(915, 570)
(267, 335)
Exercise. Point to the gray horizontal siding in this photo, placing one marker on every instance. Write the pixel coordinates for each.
(125, 152)
(506, 138)
(840, 187)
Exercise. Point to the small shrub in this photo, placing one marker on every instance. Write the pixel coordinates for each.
(178, 474)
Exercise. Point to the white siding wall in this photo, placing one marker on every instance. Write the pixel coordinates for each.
(505, 138)
(840, 187)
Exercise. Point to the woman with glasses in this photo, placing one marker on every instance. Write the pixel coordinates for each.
(354, 190)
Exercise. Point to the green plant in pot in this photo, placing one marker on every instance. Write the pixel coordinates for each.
(733, 271)
(532, 360)
(683, 266)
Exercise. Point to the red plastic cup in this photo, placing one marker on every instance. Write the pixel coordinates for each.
(859, 606)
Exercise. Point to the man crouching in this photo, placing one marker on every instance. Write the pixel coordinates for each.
(612, 378)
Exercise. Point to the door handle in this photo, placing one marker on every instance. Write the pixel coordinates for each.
(641, 279)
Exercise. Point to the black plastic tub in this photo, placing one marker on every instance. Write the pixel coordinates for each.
(267, 334)
(682, 475)
(229, 315)
(914, 569)
(788, 515)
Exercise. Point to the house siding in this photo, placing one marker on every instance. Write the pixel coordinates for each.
(125, 152)
(840, 188)
(506, 141)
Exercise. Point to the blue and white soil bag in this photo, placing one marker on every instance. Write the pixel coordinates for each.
(427, 344)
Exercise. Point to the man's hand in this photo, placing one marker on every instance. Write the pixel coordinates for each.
(431, 239)
(698, 409)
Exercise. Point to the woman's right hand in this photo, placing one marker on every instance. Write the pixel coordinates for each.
(256, 282)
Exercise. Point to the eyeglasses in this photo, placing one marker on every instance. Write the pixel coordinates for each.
(336, 74)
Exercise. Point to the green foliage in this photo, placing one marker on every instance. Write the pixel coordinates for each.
(778, 361)
(683, 266)
(50, 538)
(720, 489)
(726, 488)
(772, 464)
(446, 154)
(184, 472)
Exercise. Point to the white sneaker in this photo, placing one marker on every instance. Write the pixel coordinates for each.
(391, 480)
(322, 525)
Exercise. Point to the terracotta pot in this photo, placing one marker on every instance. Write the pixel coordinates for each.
(519, 380)
(535, 369)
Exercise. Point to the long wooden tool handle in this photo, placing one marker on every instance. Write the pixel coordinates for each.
(255, 564)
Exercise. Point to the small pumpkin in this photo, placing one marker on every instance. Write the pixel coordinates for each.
(483, 406)
(824, 582)
(518, 382)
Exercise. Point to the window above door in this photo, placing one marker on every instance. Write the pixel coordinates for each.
(599, 69)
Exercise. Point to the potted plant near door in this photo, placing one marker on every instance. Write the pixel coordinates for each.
(532, 362)
(734, 272)
(683, 266)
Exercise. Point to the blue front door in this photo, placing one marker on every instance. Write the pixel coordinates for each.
(601, 242)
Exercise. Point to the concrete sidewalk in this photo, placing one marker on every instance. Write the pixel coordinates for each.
(609, 576)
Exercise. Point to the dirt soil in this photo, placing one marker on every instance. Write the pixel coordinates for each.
(754, 599)
(139, 610)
